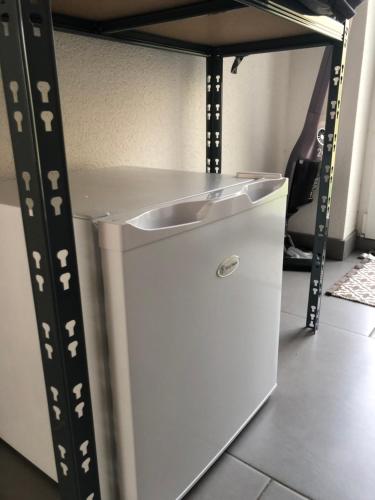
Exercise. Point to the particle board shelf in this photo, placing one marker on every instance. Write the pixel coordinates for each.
(224, 27)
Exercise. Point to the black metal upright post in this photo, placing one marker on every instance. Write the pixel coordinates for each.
(214, 111)
(326, 180)
(31, 90)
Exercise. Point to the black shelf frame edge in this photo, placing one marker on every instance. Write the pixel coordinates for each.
(167, 15)
(319, 24)
(214, 105)
(326, 180)
(73, 25)
(128, 29)
(272, 45)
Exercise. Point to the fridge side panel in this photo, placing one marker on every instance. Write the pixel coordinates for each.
(116, 319)
(92, 296)
(24, 420)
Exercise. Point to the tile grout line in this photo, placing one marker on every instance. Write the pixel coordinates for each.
(329, 324)
(271, 477)
(264, 489)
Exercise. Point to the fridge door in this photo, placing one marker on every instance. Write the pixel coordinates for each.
(188, 213)
(193, 317)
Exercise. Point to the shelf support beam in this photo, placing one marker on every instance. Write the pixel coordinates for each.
(272, 45)
(164, 16)
(326, 180)
(31, 91)
(214, 113)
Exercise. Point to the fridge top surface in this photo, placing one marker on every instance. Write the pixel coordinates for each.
(129, 191)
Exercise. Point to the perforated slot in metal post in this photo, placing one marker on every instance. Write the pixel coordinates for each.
(77, 391)
(86, 465)
(18, 118)
(57, 411)
(72, 348)
(65, 279)
(79, 409)
(49, 350)
(46, 329)
(69, 326)
(40, 280)
(62, 451)
(36, 22)
(84, 447)
(27, 180)
(56, 202)
(14, 87)
(30, 205)
(47, 118)
(37, 258)
(44, 88)
(62, 256)
(64, 468)
(5, 24)
(53, 177)
(55, 393)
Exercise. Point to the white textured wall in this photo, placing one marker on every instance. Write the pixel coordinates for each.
(366, 19)
(255, 114)
(364, 185)
(123, 105)
(352, 131)
(366, 222)
(127, 105)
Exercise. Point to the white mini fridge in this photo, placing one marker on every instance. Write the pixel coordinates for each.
(180, 277)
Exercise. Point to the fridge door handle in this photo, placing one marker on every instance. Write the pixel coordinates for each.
(182, 214)
(253, 194)
(266, 190)
(250, 196)
(193, 212)
(168, 220)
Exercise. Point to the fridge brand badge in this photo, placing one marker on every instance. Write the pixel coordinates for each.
(228, 266)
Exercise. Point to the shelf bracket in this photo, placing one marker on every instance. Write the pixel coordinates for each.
(214, 113)
(326, 180)
(28, 67)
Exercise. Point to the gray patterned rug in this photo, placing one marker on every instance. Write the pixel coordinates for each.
(358, 285)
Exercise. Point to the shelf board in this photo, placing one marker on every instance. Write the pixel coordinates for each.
(195, 26)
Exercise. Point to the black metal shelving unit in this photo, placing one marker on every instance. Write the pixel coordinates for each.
(213, 29)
